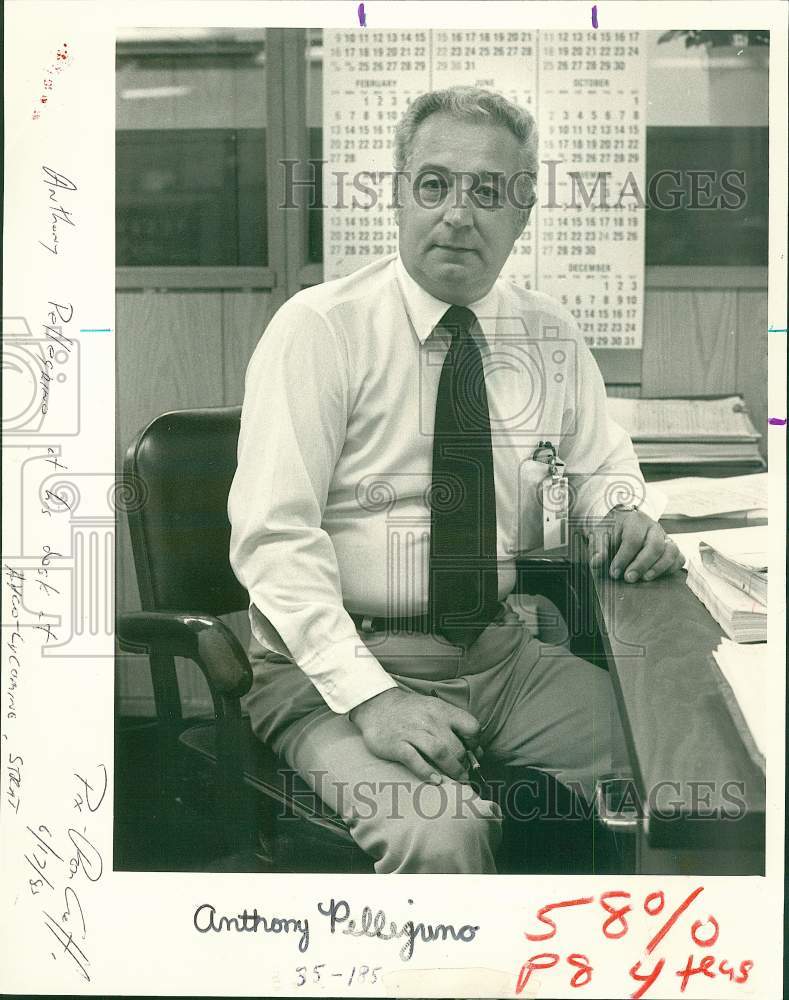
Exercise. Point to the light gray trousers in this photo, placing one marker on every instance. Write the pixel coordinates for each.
(537, 704)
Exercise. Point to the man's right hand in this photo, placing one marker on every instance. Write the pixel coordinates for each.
(425, 734)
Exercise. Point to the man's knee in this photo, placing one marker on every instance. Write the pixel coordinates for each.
(436, 828)
(451, 803)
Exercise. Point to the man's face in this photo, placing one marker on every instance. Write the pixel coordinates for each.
(457, 221)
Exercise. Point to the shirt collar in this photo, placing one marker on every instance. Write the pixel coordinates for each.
(425, 310)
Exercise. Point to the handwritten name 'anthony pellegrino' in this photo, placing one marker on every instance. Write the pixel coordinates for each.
(373, 923)
(57, 182)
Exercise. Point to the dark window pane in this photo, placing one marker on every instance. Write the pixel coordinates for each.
(251, 197)
(191, 197)
(699, 235)
(315, 215)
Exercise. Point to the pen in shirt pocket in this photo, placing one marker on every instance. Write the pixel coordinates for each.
(472, 764)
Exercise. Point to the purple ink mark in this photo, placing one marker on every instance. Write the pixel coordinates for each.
(362, 16)
(776, 421)
(594, 16)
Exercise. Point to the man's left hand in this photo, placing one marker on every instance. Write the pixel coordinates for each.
(637, 547)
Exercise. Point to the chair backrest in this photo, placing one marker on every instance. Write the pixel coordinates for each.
(179, 470)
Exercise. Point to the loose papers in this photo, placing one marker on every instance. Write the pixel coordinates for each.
(745, 670)
(696, 496)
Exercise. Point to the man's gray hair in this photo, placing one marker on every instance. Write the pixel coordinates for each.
(475, 104)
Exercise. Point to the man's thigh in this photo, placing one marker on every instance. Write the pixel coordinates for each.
(548, 709)
(405, 824)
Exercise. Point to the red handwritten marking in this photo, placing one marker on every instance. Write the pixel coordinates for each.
(617, 913)
(673, 919)
(584, 973)
(728, 970)
(703, 968)
(531, 965)
(635, 973)
(547, 920)
(547, 960)
(61, 60)
(705, 942)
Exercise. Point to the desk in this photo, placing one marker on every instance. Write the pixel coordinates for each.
(686, 757)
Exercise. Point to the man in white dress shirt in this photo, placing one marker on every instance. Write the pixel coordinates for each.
(335, 527)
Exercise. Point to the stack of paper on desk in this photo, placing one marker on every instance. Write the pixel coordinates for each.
(747, 571)
(745, 670)
(688, 431)
(741, 617)
(748, 545)
(736, 496)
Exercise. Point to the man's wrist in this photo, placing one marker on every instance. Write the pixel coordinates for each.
(367, 701)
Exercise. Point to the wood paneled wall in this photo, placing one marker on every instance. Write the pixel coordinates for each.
(175, 350)
(703, 335)
(708, 341)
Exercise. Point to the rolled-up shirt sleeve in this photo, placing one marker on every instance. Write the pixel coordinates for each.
(602, 466)
(293, 424)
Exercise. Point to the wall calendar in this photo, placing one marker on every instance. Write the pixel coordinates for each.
(584, 243)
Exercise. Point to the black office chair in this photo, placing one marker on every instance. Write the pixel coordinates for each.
(178, 473)
(179, 470)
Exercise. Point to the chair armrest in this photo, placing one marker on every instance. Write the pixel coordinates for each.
(202, 638)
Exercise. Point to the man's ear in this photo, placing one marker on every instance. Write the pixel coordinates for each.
(397, 194)
(525, 214)
(397, 206)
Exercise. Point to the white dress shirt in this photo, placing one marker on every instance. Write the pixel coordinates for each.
(328, 505)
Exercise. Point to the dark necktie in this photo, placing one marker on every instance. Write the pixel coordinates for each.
(463, 580)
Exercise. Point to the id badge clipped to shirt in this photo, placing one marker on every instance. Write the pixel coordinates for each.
(554, 498)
